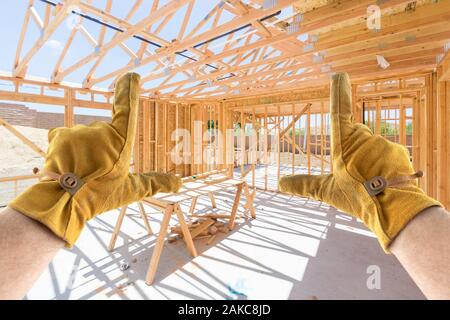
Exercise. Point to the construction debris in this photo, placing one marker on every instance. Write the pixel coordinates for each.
(124, 266)
(382, 62)
(211, 239)
(205, 226)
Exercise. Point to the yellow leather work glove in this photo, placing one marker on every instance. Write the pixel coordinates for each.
(91, 166)
(372, 178)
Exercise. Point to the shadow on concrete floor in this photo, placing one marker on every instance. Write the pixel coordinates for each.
(295, 249)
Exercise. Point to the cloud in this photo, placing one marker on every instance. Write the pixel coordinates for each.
(54, 44)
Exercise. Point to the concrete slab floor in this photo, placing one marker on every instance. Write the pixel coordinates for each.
(295, 249)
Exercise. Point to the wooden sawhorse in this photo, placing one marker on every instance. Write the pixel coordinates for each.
(169, 204)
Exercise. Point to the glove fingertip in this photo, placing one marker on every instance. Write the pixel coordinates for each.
(177, 185)
(286, 184)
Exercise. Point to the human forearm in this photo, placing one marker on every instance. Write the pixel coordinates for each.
(26, 247)
(373, 179)
(86, 173)
(423, 248)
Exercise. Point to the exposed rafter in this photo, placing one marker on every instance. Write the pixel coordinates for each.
(238, 47)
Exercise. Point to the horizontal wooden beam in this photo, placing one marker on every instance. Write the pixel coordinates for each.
(60, 101)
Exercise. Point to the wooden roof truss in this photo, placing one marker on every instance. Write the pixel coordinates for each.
(261, 48)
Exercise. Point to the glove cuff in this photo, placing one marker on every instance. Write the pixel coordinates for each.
(397, 207)
(49, 204)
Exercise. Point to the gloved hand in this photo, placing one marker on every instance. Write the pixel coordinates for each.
(91, 166)
(372, 178)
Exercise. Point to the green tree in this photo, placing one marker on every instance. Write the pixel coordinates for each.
(212, 125)
(409, 129)
(298, 132)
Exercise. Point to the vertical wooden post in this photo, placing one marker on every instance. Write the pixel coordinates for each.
(68, 108)
(415, 135)
(187, 125)
(308, 139)
(443, 137)
(293, 139)
(422, 117)
(445, 161)
(328, 137)
(146, 135)
(402, 122)
(282, 140)
(156, 136)
(431, 134)
(378, 118)
(216, 136)
(230, 143)
(137, 145)
(254, 148)
(166, 139)
(221, 137)
(357, 112)
(316, 150)
(242, 139)
(202, 143)
(266, 165)
(177, 124)
(322, 144)
(278, 143)
(208, 130)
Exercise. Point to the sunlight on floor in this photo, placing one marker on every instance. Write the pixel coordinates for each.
(295, 249)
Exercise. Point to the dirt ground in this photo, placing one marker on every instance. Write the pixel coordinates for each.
(18, 159)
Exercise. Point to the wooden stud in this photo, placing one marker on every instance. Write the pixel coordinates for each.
(68, 110)
(254, 148)
(156, 145)
(266, 145)
(166, 138)
(278, 144)
(322, 137)
(243, 142)
(293, 139)
(308, 139)
(402, 122)
(177, 152)
(415, 134)
(378, 118)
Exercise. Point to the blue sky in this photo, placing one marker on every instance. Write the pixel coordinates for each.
(12, 14)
